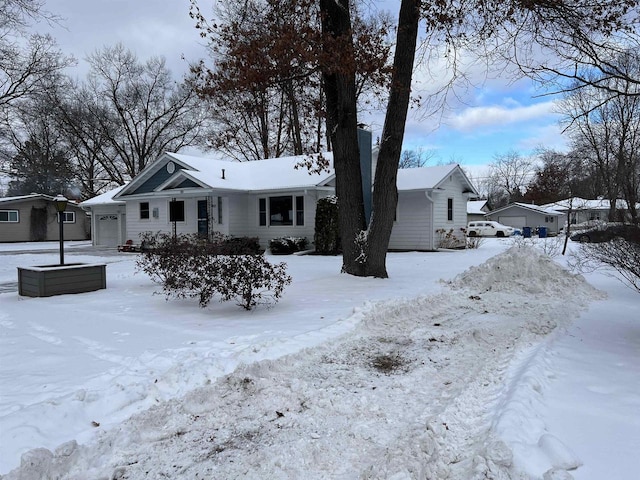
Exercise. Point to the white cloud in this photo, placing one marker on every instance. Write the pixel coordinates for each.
(499, 115)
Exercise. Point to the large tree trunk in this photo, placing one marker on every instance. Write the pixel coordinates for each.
(340, 91)
(365, 251)
(385, 192)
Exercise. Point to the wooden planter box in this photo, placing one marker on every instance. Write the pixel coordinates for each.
(49, 280)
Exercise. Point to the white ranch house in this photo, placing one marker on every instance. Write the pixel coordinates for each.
(267, 199)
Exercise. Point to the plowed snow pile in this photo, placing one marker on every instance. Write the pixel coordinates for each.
(414, 392)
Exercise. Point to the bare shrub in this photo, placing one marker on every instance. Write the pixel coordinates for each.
(474, 242)
(550, 246)
(451, 238)
(251, 280)
(188, 266)
(618, 258)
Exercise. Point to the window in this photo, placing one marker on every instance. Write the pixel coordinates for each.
(144, 210)
(176, 211)
(219, 209)
(450, 209)
(67, 217)
(282, 211)
(262, 210)
(10, 216)
(299, 210)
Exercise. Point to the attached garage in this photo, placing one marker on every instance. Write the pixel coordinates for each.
(108, 225)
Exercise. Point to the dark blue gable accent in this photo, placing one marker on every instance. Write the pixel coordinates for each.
(156, 179)
(188, 183)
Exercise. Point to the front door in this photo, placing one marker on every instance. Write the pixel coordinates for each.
(203, 218)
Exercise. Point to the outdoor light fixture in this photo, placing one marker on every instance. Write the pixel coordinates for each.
(60, 202)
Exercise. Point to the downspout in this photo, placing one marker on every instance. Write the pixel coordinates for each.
(427, 194)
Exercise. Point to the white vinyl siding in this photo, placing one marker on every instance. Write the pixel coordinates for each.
(450, 188)
(413, 228)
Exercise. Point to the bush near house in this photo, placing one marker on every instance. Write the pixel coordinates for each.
(327, 235)
(188, 266)
(450, 238)
(287, 245)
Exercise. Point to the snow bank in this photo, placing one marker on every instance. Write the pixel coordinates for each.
(420, 388)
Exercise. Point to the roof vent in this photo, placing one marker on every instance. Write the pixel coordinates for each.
(223, 173)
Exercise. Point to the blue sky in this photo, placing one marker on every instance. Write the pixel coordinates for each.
(488, 120)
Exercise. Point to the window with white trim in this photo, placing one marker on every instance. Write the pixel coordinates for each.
(450, 209)
(67, 217)
(9, 216)
(284, 210)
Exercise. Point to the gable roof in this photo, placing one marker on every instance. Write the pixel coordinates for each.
(205, 172)
(282, 173)
(475, 207)
(104, 198)
(529, 206)
(427, 178)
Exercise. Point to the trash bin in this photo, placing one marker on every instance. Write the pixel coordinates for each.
(526, 232)
(542, 232)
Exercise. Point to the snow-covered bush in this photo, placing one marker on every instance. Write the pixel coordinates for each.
(188, 266)
(287, 245)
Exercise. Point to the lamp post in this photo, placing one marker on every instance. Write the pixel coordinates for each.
(60, 202)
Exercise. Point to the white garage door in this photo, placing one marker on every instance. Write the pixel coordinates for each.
(515, 222)
(107, 234)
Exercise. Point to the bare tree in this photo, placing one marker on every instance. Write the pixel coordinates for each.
(606, 130)
(509, 175)
(415, 158)
(141, 110)
(265, 81)
(26, 60)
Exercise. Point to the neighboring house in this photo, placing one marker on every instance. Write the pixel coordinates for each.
(272, 198)
(477, 210)
(108, 219)
(519, 215)
(33, 218)
(583, 210)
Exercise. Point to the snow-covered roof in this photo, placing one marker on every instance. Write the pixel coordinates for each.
(32, 196)
(475, 207)
(268, 174)
(529, 206)
(578, 203)
(105, 198)
(425, 178)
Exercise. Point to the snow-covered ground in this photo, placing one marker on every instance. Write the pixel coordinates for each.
(488, 363)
